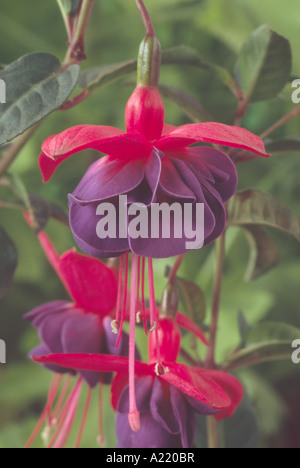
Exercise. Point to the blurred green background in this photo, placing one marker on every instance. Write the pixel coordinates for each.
(217, 28)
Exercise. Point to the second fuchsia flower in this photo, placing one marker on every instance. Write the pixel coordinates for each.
(167, 397)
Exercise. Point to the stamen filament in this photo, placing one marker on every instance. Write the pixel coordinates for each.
(84, 418)
(70, 416)
(125, 299)
(54, 387)
(101, 438)
(134, 416)
(120, 284)
(143, 295)
(153, 310)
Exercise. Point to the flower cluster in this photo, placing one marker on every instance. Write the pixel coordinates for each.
(151, 163)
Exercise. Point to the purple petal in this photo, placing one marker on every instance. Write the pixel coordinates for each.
(201, 408)
(107, 178)
(83, 334)
(37, 315)
(143, 388)
(50, 331)
(161, 409)
(42, 350)
(151, 434)
(172, 184)
(83, 222)
(219, 165)
(185, 417)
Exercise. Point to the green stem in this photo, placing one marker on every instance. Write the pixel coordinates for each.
(213, 433)
(217, 288)
(146, 18)
(175, 268)
(66, 19)
(76, 48)
(286, 118)
(13, 151)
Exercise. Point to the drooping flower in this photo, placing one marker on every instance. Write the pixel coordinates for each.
(167, 394)
(151, 163)
(83, 325)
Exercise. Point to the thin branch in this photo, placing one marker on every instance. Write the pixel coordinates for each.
(146, 18)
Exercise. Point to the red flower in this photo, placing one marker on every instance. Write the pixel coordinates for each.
(196, 389)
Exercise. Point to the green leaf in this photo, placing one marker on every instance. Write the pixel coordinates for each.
(187, 103)
(42, 211)
(36, 85)
(270, 341)
(8, 262)
(253, 207)
(71, 6)
(264, 253)
(244, 327)
(286, 145)
(264, 64)
(193, 299)
(98, 77)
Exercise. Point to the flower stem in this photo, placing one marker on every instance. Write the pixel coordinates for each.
(76, 47)
(286, 118)
(146, 18)
(14, 150)
(213, 433)
(66, 19)
(220, 254)
(175, 268)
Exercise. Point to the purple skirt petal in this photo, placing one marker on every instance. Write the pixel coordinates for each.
(83, 334)
(185, 416)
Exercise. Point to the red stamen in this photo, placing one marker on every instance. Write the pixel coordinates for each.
(120, 284)
(125, 299)
(134, 416)
(153, 310)
(138, 302)
(64, 412)
(84, 418)
(54, 387)
(61, 399)
(143, 295)
(101, 438)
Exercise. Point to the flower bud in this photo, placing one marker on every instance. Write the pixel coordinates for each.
(145, 110)
(169, 340)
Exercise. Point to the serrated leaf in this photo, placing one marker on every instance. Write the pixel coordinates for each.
(8, 262)
(253, 207)
(286, 145)
(36, 85)
(98, 77)
(187, 103)
(193, 299)
(270, 341)
(264, 64)
(264, 253)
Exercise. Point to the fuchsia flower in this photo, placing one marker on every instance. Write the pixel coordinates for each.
(167, 394)
(163, 169)
(150, 163)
